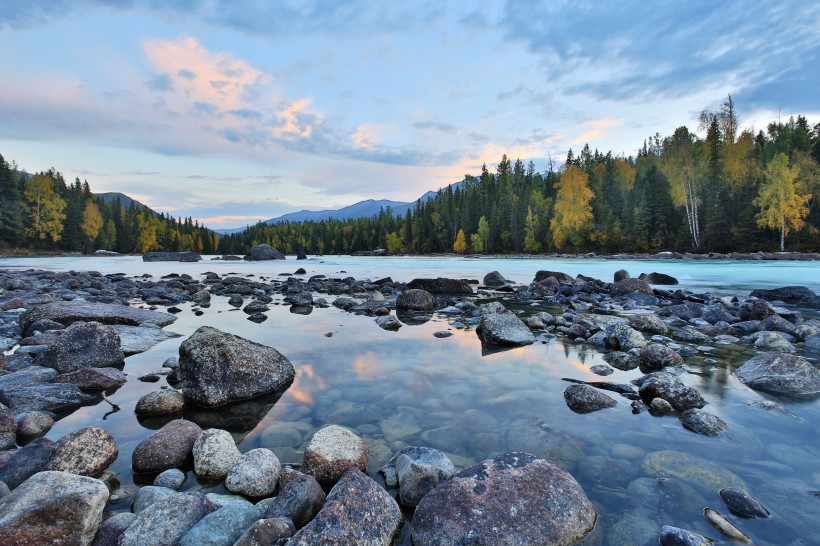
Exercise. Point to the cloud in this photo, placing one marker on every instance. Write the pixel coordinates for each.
(437, 125)
(597, 128)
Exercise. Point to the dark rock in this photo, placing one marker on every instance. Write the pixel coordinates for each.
(173, 478)
(44, 325)
(666, 386)
(674, 536)
(659, 278)
(149, 378)
(455, 287)
(778, 373)
(622, 337)
(331, 452)
(87, 452)
(169, 447)
(83, 345)
(111, 529)
(8, 429)
(218, 368)
(267, 532)
(627, 286)
(494, 279)
(171, 257)
(94, 379)
(300, 498)
(148, 495)
(585, 399)
(166, 521)
(504, 328)
(26, 461)
(476, 505)
(788, 294)
(601, 369)
(742, 503)
(388, 322)
(357, 511)
(263, 252)
(648, 323)
(255, 307)
(655, 357)
(691, 335)
(756, 310)
(224, 526)
(620, 275)
(702, 422)
(300, 299)
(33, 424)
(621, 360)
(544, 275)
(415, 300)
(53, 508)
(48, 397)
(162, 402)
(686, 311)
(67, 312)
(774, 323)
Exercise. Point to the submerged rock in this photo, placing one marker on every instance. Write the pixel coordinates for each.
(331, 452)
(780, 374)
(689, 468)
(702, 422)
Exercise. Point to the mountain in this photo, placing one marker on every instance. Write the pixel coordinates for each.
(125, 201)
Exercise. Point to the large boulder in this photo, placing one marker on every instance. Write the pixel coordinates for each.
(494, 279)
(557, 275)
(514, 498)
(68, 312)
(166, 521)
(788, 294)
(217, 368)
(504, 328)
(53, 508)
(331, 452)
(94, 379)
(87, 452)
(628, 286)
(263, 252)
(171, 257)
(658, 278)
(781, 374)
(415, 299)
(440, 285)
(358, 511)
(655, 357)
(50, 397)
(83, 345)
(168, 447)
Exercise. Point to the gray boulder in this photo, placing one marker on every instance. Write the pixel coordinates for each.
(94, 379)
(138, 339)
(168, 447)
(173, 478)
(26, 461)
(514, 498)
(263, 252)
(171, 257)
(557, 275)
(504, 328)
(772, 341)
(494, 279)
(658, 278)
(648, 323)
(111, 529)
(53, 508)
(331, 452)
(620, 275)
(300, 498)
(388, 322)
(87, 452)
(224, 526)
(440, 285)
(655, 357)
(32, 424)
(8, 429)
(702, 422)
(218, 368)
(622, 337)
(585, 399)
(666, 386)
(166, 521)
(148, 495)
(628, 286)
(161, 402)
(775, 323)
(788, 294)
(621, 360)
(68, 312)
(358, 511)
(83, 345)
(416, 471)
(691, 335)
(780, 374)
(415, 299)
(48, 397)
(214, 453)
(254, 474)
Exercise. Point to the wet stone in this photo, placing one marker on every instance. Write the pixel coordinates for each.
(702, 422)
(173, 478)
(169, 447)
(87, 452)
(585, 399)
(601, 369)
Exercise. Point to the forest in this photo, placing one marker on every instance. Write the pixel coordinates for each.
(729, 190)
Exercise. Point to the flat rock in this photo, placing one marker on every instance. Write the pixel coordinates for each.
(171, 257)
(254, 474)
(504, 328)
(358, 511)
(83, 345)
(331, 452)
(48, 397)
(585, 399)
(218, 368)
(440, 285)
(53, 508)
(514, 498)
(94, 379)
(26, 377)
(138, 339)
(778, 373)
(87, 452)
(168, 447)
(67, 312)
(166, 521)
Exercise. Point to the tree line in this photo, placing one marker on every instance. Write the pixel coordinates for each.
(44, 213)
(729, 190)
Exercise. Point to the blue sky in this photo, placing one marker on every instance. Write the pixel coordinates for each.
(232, 112)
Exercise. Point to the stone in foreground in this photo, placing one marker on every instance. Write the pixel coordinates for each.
(168, 447)
(514, 498)
(53, 508)
(87, 452)
(415, 299)
(217, 368)
(332, 451)
(254, 474)
(83, 345)
(504, 328)
(214, 453)
(300, 498)
(358, 511)
(271, 531)
(166, 521)
(224, 526)
(780, 374)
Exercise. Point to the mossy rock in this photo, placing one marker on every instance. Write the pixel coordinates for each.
(691, 469)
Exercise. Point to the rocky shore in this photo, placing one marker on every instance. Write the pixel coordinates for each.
(68, 335)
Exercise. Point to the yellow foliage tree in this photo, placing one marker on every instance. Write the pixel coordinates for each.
(92, 221)
(573, 211)
(460, 246)
(395, 244)
(44, 209)
(476, 244)
(531, 242)
(781, 207)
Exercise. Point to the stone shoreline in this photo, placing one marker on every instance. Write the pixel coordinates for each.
(74, 330)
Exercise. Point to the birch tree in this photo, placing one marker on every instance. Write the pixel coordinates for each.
(678, 164)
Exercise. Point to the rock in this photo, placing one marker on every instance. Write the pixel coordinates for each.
(621, 337)
(667, 386)
(214, 453)
(812, 343)
(161, 402)
(300, 498)
(514, 498)
(628, 286)
(168, 447)
(222, 527)
(87, 452)
(788, 294)
(267, 532)
(659, 278)
(659, 406)
(689, 468)
(702, 422)
(648, 323)
(655, 357)
(388, 322)
(691, 335)
(775, 323)
(544, 275)
(301, 299)
(254, 474)
(48, 397)
(94, 379)
(166, 521)
(742, 503)
(494, 279)
(83, 345)
(53, 508)
(772, 341)
(585, 399)
(8, 429)
(26, 461)
(777, 373)
(621, 360)
(620, 275)
(504, 328)
(726, 527)
(454, 287)
(263, 252)
(415, 300)
(602, 369)
(31, 424)
(173, 478)
(358, 511)
(606, 471)
(416, 470)
(138, 339)
(331, 452)
(67, 312)
(674, 536)
(218, 368)
(148, 495)
(171, 257)
(111, 529)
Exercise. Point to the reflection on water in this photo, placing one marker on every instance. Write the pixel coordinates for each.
(410, 388)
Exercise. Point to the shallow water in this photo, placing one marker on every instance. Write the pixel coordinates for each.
(410, 388)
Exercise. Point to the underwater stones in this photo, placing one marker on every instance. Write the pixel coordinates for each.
(415, 299)
(608, 471)
(87, 452)
(254, 474)
(780, 374)
(702, 422)
(585, 399)
(214, 453)
(168, 447)
(689, 468)
(504, 328)
(510, 499)
(544, 440)
(218, 368)
(742, 503)
(331, 452)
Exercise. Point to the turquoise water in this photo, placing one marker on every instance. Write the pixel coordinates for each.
(411, 388)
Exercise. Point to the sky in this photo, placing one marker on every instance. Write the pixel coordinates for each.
(234, 111)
